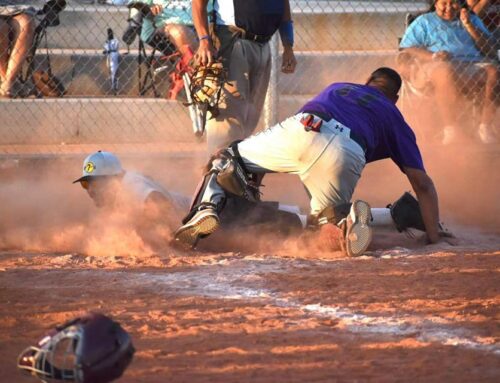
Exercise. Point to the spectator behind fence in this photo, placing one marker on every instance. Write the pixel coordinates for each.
(17, 28)
(171, 20)
(488, 11)
(453, 46)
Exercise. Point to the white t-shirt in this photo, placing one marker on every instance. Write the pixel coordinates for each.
(141, 187)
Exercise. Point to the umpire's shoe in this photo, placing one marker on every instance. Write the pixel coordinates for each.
(203, 223)
(358, 233)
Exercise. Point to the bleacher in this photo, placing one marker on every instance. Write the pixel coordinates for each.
(335, 41)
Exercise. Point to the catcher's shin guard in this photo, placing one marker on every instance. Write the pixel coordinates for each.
(232, 175)
(201, 223)
(406, 213)
(202, 218)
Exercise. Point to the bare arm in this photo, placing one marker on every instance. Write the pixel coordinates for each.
(205, 51)
(288, 62)
(481, 40)
(427, 197)
(480, 7)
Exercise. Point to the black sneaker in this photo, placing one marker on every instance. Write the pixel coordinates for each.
(203, 223)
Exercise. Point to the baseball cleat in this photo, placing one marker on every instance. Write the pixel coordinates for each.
(203, 223)
(358, 233)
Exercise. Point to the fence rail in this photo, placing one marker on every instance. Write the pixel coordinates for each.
(335, 41)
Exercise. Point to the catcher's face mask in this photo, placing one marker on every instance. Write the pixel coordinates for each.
(54, 358)
(89, 349)
(207, 82)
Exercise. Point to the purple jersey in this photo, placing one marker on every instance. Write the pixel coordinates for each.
(372, 116)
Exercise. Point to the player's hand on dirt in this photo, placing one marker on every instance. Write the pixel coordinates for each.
(443, 236)
(205, 53)
(288, 62)
(156, 9)
(447, 236)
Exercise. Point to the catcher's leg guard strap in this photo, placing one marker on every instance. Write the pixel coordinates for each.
(232, 176)
(208, 194)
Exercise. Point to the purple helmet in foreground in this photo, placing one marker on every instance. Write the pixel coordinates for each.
(89, 349)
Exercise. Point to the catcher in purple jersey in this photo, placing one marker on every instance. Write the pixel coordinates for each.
(327, 144)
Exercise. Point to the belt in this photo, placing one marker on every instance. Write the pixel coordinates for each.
(357, 138)
(246, 35)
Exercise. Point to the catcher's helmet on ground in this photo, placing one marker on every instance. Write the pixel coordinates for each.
(89, 349)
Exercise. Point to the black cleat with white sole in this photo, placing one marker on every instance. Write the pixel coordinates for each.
(203, 223)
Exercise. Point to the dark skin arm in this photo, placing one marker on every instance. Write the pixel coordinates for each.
(480, 39)
(288, 61)
(206, 51)
(428, 199)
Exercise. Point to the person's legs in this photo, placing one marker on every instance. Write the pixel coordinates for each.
(333, 177)
(258, 83)
(442, 76)
(331, 180)
(4, 48)
(23, 27)
(274, 150)
(228, 126)
(182, 37)
(486, 133)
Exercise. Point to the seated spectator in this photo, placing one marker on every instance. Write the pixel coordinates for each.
(17, 28)
(172, 19)
(488, 11)
(452, 46)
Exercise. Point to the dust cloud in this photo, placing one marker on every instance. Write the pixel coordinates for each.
(42, 211)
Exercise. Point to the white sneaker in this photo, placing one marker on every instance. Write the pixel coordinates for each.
(486, 134)
(358, 233)
(203, 223)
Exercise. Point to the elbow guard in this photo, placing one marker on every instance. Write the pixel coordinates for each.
(286, 32)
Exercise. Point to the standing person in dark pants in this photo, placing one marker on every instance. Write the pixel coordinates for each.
(239, 36)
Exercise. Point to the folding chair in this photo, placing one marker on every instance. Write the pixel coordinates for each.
(50, 18)
(162, 57)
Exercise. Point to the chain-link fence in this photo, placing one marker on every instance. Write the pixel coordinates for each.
(123, 97)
